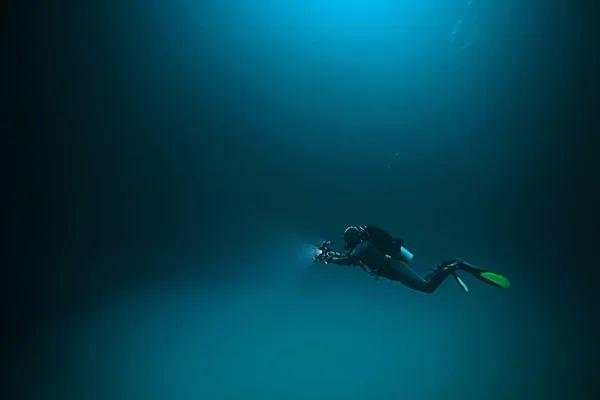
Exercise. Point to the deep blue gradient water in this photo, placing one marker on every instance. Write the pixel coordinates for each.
(192, 152)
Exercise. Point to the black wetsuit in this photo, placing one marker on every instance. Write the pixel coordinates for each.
(393, 269)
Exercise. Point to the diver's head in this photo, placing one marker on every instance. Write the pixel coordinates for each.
(352, 237)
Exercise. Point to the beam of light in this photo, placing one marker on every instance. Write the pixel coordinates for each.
(308, 254)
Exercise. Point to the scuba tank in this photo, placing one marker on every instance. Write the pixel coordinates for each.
(385, 243)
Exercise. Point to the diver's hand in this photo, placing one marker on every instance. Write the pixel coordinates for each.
(327, 257)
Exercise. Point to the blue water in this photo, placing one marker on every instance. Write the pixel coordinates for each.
(196, 150)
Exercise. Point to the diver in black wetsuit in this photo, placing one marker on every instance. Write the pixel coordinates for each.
(384, 256)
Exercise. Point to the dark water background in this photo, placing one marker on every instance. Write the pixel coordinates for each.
(186, 154)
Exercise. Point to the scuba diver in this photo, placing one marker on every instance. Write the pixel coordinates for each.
(381, 255)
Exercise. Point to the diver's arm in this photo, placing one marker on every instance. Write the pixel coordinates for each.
(351, 259)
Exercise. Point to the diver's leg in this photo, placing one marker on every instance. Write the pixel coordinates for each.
(436, 277)
(402, 273)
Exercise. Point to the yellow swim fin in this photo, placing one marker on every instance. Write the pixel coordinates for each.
(460, 282)
(485, 276)
(494, 279)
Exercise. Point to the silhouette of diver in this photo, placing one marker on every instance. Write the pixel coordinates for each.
(381, 255)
